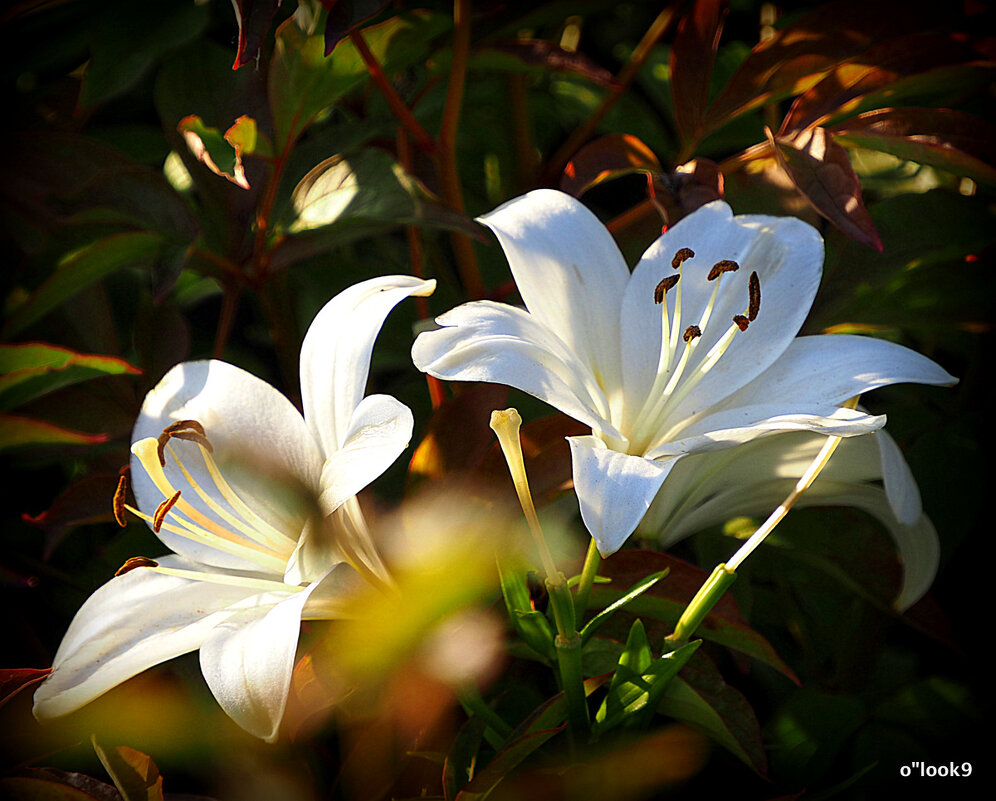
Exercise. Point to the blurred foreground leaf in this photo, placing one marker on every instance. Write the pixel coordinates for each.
(134, 773)
(16, 432)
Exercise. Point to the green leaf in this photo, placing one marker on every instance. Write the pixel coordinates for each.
(347, 197)
(134, 773)
(639, 683)
(667, 600)
(635, 592)
(214, 150)
(129, 39)
(30, 370)
(532, 626)
(80, 269)
(700, 698)
(303, 82)
(461, 760)
(17, 432)
(507, 760)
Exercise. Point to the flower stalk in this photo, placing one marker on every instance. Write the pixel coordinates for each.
(506, 425)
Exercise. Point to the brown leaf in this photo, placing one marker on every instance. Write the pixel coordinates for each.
(605, 158)
(133, 773)
(798, 56)
(882, 65)
(692, 57)
(821, 170)
(952, 140)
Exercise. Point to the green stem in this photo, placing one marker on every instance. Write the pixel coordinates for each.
(475, 704)
(592, 561)
(703, 602)
(568, 645)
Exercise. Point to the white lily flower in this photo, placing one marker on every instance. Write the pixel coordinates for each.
(695, 350)
(257, 502)
(867, 473)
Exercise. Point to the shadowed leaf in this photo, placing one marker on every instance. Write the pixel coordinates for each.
(80, 269)
(551, 56)
(134, 773)
(254, 18)
(883, 65)
(344, 15)
(607, 157)
(821, 170)
(692, 57)
(16, 432)
(48, 784)
(952, 140)
(798, 56)
(701, 698)
(461, 760)
(33, 369)
(14, 680)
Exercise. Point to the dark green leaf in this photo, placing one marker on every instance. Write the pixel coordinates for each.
(461, 760)
(701, 698)
(16, 432)
(82, 268)
(345, 15)
(30, 370)
(507, 760)
(532, 626)
(553, 57)
(254, 18)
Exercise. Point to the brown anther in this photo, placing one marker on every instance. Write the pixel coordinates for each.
(664, 286)
(754, 304)
(741, 321)
(720, 267)
(691, 332)
(681, 256)
(189, 430)
(162, 510)
(119, 500)
(135, 562)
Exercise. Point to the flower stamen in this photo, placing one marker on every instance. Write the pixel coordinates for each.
(118, 502)
(162, 510)
(134, 563)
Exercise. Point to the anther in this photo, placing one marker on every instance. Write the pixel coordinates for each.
(754, 304)
(119, 501)
(720, 267)
(162, 510)
(741, 321)
(691, 332)
(681, 256)
(663, 287)
(189, 430)
(135, 562)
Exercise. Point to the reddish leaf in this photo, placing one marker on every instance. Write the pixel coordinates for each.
(689, 187)
(255, 18)
(700, 697)
(85, 501)
(48, 784)
(666, 600)
(952, 140)
(552, 56)
(605, 158)
(13, 680)
(821, 170)
(882, 65)
(798, 56)
(692, 57)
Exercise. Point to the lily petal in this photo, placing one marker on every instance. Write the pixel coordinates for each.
(833, 368)
(335, 354)
(247, 661)
(614, 489)
(724, 429)
(135, 621)
(497, 343)
(378, 433)
(569, 272)
(245, 419)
